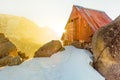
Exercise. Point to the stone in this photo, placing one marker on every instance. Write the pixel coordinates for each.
(10, 61)
(23, 56)
(7, 47)
(15, 61)
(106, 50)
(48, 49)
(84, 45)
(8, 52)
(4, 61)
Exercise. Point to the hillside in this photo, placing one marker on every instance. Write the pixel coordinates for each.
(25, 34)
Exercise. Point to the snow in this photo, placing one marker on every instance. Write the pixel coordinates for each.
(71, 64)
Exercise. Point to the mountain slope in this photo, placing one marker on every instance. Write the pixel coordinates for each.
(25, 34)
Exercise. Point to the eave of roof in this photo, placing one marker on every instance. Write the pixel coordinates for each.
(87, 8)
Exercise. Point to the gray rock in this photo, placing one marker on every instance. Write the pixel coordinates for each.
(106, 50)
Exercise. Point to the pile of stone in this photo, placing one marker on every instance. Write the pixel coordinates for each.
(8, 52)
(9, 55)
(85, 45)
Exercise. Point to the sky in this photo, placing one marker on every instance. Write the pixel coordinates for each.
(55, 13)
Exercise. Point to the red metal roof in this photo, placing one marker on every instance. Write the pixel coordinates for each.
(94, 18)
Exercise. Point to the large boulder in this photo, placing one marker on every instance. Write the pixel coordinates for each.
(5, 60)
(48, 49)
(6, 47)
(10, 61)
(15, 61)
(8, 52)
(106, 50)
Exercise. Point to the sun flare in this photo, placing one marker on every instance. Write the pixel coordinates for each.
(59, 29)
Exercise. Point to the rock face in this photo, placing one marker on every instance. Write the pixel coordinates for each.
(106, 50)
(23, 56)
(85, 45)
(8, 52)
(48, 49)
(10, 61)
(6, 47)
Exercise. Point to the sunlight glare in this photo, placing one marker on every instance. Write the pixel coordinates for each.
(58, 28)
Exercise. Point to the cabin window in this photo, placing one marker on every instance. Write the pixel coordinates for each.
(72, 20)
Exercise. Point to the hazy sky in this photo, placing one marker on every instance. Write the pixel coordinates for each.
(55, 13)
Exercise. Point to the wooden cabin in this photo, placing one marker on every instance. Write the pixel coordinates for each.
(82, 23)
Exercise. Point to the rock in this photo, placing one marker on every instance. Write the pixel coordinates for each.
(4, 61)
(48, 49)
(62, 49)
(113, 72)
(10, 61)
(85, 45)
(23, 56)
(15, 61)
(106, 50)
(6, 47)
(8, 52)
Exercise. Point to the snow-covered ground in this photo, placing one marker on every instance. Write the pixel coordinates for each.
(71, 64)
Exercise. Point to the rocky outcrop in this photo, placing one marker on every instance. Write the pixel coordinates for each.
(10, 61)
(6, 47)
(85, 45)
(48, 49)
(23, 56)
(15, 61)
(106, 50)
(8, 52)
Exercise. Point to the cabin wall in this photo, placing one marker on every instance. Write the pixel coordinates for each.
(82, 31)
(74, 14)
(77, 29)
(71, 29)
(85, 31)
(74, 18)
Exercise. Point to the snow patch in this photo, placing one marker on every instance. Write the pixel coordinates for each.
(71, 64)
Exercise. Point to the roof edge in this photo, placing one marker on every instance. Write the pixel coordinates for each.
(77, 6)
